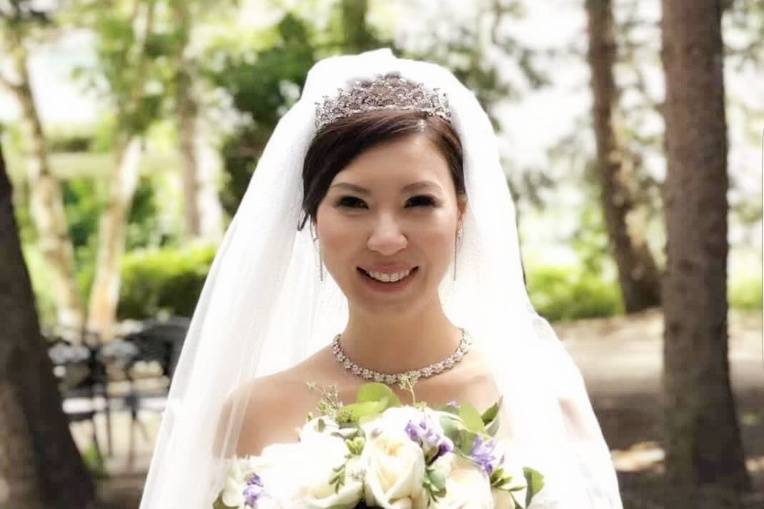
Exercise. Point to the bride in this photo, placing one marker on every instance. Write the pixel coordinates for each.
(376, 241)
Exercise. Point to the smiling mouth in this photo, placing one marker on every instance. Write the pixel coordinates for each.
(389, 279)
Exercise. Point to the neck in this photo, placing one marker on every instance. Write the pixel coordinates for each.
(399, 342)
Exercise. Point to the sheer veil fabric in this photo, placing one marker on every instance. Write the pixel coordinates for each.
(263, 309)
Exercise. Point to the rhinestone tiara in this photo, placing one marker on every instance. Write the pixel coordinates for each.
(385, 92)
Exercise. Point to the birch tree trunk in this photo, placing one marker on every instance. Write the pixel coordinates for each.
(46, 202)
(637, 272)
(705, 465)
(104, 295)
(40, 467)
(203, 212)
(129, 94)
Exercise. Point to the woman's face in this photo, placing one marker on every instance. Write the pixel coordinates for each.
(387, 225)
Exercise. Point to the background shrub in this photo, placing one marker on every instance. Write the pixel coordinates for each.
(166, 280)
(570, 292)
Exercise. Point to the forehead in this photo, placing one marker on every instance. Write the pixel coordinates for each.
(407, 159)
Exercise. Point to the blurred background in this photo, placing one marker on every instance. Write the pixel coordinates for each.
(129, 131)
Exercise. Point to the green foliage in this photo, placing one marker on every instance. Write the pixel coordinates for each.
(570, 292)
(84, 200)
(745, 293)
(167, 280)
(262, 84)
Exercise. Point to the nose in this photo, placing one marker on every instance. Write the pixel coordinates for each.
(386, 237)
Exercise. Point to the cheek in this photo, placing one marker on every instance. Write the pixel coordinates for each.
(338, 236)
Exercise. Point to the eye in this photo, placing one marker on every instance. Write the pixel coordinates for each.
(421, 201)
(351, 202)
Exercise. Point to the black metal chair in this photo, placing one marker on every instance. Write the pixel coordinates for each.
(82, 382)
(158, 342)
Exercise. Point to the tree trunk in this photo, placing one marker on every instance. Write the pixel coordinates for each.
(203, 212)
(46, 203)
(104, 296)
(637, 272)
(40, 466)
(358, 37)
(705, 465)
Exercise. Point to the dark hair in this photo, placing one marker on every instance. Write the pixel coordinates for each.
(337, 144)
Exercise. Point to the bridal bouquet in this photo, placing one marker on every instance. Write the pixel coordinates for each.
(379, 453)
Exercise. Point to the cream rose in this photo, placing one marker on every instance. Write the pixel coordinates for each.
(467, 486)
(394, 465)
(298, 475)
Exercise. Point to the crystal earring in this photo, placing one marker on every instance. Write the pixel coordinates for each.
(457, 243)
(317, 245)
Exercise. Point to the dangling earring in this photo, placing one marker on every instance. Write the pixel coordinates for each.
(317, 245)
(457, 243)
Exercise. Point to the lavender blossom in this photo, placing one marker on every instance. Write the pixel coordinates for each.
(483, 453)
(253, 490)
(429, 436)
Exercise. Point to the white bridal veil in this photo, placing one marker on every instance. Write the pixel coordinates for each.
(263, 309)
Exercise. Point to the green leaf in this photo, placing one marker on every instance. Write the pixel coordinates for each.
(535, 482)
(452, 426)
(377, 392)
(490, 418)
(218, 504)
(465, 441)
(437, 479)
(471, 418)
(357, 411)
(491, 413)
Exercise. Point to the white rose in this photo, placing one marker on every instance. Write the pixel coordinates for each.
(467, 486)
(302, 473)
(239, 472)
(394, 463)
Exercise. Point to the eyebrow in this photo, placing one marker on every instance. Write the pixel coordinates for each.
(416, 186)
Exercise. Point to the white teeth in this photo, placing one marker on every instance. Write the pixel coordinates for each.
(389, 278)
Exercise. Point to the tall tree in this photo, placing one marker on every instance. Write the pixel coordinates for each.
(40, 466)
(126, 49)
(357, 33)
(203, 213)
(637, 272)
(18, 22)
(705, 465)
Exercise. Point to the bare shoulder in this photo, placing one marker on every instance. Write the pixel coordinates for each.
(275, 406)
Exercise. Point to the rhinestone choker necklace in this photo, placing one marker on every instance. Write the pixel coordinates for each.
(397, 378)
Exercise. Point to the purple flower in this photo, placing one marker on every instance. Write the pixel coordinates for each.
(253, 490)
(430, 437)
(483, 453)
